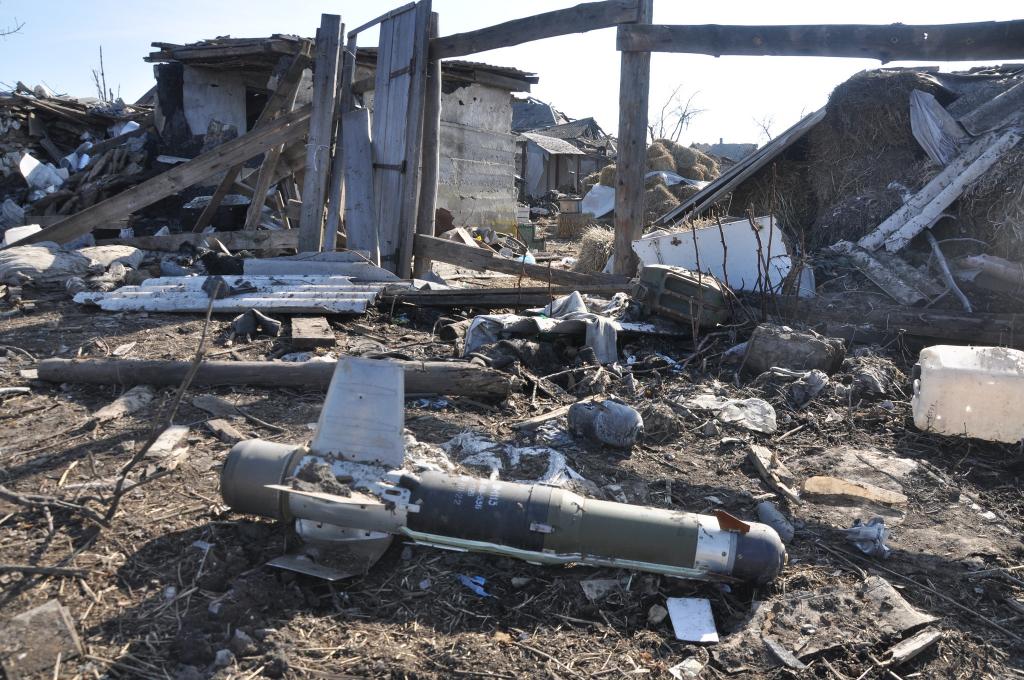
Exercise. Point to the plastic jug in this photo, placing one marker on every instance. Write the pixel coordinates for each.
(971, 391)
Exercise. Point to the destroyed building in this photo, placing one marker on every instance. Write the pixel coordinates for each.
(556, 157)
(746, 421)
(225, 82)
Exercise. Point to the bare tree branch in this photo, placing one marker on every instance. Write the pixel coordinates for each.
(674, 116)
(766, 123)
(12, 29)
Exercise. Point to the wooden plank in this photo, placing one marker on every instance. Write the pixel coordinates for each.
(588, 16)
(281, 101)
(925, 207)
(360, 224)
(391, 98)
(430, 155)
(232, 240)
(383, 17)
(254, 213)
(421, 377)
(319, 146)
(285, 129)
(311, 331)
(634, 94)
(894, 42)
(886, 278)
(487, 260)
(415, 108)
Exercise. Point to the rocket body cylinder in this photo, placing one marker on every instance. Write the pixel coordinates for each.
(534, 522)
(556, 525)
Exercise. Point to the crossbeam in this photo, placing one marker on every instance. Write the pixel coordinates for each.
(579, 19)
(983, 40)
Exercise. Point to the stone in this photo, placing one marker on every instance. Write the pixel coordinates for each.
(833, 489)
(784, 347)
(656, 614)
(31, 641)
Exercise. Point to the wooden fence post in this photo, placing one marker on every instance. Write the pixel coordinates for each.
(431, 155)
(634, 91)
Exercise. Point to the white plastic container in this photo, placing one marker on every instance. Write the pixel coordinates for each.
(971, 391)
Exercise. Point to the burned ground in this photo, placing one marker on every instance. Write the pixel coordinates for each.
(176, 578)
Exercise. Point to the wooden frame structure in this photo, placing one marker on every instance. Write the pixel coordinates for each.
(383, 187)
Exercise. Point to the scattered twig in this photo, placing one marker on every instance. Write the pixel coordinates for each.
(946, 273)
(40, 501)
(46, 571)
(119, 489)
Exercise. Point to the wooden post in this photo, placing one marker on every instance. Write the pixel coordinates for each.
(431, 155)
(414, 137)
(336, 193)
(634, 91)
(321, 130)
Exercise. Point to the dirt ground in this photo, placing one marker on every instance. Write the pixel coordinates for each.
(176, 578)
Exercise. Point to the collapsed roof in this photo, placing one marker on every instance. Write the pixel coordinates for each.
(262, 54)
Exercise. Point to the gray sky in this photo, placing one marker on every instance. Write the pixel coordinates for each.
(59, 45)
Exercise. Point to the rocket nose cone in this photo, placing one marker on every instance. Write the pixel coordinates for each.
(760, 554)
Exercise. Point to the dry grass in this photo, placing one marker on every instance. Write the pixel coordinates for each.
(595, 249)
(993, 208)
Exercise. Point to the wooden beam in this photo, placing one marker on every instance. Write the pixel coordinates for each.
(383, 17)
(958, 327)
(634, 95)
(431, 155)
(485, 259)
(264, 179)
(414, 136)
(579, 19)
(232, 240)
(490, 298)
(319, 149)
(285, 129)
(421, 377)
(894, 42)
(336, 189)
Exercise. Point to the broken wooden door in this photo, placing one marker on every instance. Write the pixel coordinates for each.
(398, 100)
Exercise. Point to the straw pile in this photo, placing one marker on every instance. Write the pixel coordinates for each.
(595, 249)
(666, 155)
(590, 180)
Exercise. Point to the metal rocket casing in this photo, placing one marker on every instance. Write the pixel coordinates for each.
(358, 449)
(534, 522)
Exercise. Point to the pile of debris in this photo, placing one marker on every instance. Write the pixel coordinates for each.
(59, 154)
(901, 160)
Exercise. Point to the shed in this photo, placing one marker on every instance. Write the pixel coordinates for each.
(225, 82)
(548, 163)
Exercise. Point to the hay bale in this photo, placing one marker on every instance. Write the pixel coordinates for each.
(683, 191)
(590, 180)
(595, 249)
(690, 162)
(661, 163)
(608, 175)
(864, 143)
(653, 181)
(659, 158)
(658, 201)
